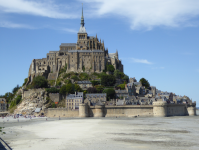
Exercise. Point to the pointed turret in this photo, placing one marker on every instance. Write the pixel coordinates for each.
(82, 28)
(116, 54)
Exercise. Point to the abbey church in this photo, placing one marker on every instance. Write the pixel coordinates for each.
(87, 54)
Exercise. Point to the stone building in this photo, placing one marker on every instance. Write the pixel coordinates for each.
(3, 105)
(84, 84)
(94, 98)
(73, 100)
(87, 54)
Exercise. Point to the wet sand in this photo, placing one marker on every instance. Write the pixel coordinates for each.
(102, 133)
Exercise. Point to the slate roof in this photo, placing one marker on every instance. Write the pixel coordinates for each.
(73, 96)
(68, 44)
(85, 51)
(96, 94)
(111, 55)
(82, 29)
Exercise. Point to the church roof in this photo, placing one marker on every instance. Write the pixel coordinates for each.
(85, 51)
(68, 44)
(82, 29)
(111, 55)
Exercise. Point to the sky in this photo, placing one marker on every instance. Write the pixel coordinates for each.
(156, 40)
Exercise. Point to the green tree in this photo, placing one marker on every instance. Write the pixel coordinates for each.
(70, 88)
(75, 78)
(110, 68)
(122, 86)
(145, 82)
(40, 82)
(63, 90)
(117, 74)
(52, 90)
(25, 81)
(126, 78)
(15, 89)
(99, 88)
(95, 83)
(108, 80)
(77, 88)
(110, 93)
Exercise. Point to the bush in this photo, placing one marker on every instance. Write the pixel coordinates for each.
(121, 86)
(62, 70)
(63, 90)
(110, 68)
(83, 68)
(84, 76)
(78, 88)
(110, 93)
(144, 82)
(16, 101)
(108, 80)
(95, 82)
(15, 89)
(75, 78)
(52, 90)
(40, 82)
(66, 75)
(126, 78)
(99, 88)
(25, 81)
(51, 82)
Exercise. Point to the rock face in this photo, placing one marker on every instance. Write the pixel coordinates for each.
(31, 102)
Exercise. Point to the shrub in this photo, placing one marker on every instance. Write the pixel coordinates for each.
(108, 80)
(144, 82)
(63, 90)
(110, 68)
(66, 75)
(25, 81)
(95, 82)
(121, 86)
(16, 101)
(40, 82)
(75, 78)
(99, 88)
(51, 82)
(77, 88)
(15, 89)
(52, 90)
(83, 68)
(84, 76)
(110, 93)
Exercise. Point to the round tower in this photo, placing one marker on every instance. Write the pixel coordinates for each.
(83, 110)
(160, 109)
(191, 110)
(99, 111)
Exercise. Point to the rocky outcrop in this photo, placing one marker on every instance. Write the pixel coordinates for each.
(34, 100)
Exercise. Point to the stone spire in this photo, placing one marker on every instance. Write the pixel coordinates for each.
(116, 54)
(82, 18)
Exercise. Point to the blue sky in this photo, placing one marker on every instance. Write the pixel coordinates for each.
(157, 40)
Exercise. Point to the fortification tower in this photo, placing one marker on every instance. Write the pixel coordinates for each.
(191, 109)
(160, 109)
(83, 110)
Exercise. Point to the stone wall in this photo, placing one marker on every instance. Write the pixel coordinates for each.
(55, 97)
(62, 112)
(30, 91)
(176, 110)
(122, 111)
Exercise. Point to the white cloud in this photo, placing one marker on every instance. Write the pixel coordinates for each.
(143, 61)
(45, 8)
(69, 30)
(6, 24)
(149, 13)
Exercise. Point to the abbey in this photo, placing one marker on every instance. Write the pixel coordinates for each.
(87, 54)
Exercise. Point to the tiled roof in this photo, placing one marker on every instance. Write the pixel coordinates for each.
(84, 82)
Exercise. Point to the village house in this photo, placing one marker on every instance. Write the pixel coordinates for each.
(3, 105)
(73, 100)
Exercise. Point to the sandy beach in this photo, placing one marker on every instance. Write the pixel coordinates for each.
(101, 133)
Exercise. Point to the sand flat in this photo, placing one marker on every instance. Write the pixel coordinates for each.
(102, 133)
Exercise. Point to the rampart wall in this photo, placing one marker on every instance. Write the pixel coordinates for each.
(159, 109)
(62, 112)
